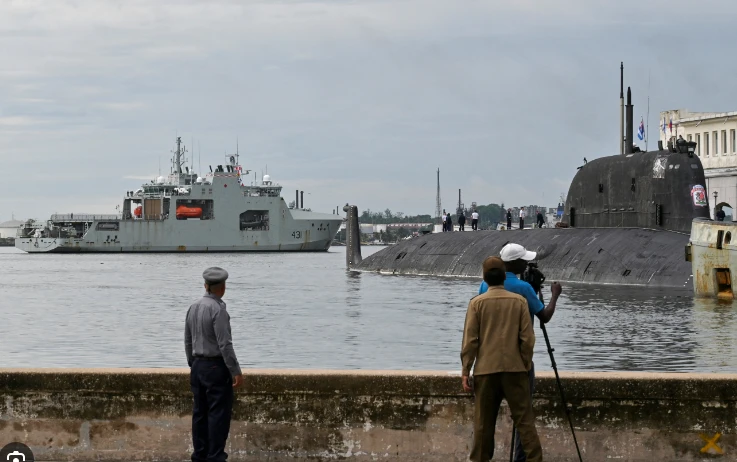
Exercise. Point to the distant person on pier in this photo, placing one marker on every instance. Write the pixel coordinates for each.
(475, 221)
(515, 259)
(449, 221)
(461, 222)
(721, 215)
(498, 342)
(540, 220)
(509, 218)
(445, 222)
(214, 369)
(522, 216)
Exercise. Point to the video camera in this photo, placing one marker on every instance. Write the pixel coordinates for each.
(533, 276)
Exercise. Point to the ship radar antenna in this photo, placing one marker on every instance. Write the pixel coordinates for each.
(178, 159)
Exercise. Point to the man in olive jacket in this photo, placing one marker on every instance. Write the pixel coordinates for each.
(498, 341)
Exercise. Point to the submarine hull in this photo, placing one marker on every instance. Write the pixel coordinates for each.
(623, 256)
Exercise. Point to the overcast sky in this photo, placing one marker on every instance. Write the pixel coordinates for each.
(352, 101)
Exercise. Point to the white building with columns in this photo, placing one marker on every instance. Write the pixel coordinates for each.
(715, 134)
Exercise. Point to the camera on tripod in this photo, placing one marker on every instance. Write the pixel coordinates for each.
(533, 276)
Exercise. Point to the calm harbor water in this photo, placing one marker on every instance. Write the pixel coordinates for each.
(306, 311)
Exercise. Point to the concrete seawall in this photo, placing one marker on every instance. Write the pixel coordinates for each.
(283, 415)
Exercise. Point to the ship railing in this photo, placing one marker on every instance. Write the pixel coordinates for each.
(158, 217)
(57, 217)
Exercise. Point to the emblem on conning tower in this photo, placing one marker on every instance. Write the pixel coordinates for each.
(698, 194)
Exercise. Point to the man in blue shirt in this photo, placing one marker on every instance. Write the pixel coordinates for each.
(515, 259)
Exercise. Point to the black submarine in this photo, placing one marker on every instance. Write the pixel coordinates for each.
(628, 220)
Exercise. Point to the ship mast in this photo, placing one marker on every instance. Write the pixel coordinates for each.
(178, 160)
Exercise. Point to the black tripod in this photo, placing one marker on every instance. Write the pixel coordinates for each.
(560, 387)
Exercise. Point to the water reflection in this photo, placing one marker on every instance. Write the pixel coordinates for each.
(604, 328)
(307, 311)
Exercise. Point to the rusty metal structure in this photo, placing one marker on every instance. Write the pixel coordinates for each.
(712, 251)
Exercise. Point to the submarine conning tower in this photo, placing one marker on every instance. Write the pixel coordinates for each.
(658, 189)
(661, 189)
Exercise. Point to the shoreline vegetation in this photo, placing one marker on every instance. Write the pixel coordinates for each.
(489, 217)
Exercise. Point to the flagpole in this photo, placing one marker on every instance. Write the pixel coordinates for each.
(647, 128)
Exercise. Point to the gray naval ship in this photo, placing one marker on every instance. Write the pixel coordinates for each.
(187, 213)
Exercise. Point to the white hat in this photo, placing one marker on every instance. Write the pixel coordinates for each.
(511, 252)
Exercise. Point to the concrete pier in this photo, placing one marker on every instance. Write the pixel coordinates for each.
(286, 415)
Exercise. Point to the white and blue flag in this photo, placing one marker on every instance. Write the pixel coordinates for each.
(641, 130)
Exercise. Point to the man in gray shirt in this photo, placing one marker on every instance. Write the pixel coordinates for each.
(214, 369)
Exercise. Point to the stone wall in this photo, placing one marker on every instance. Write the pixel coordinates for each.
(283, 415)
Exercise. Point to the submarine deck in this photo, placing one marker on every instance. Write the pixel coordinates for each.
(627, 256)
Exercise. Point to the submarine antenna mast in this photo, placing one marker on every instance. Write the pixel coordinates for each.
(630, 123)
(438, 208)
(621, 108)
(647, 128)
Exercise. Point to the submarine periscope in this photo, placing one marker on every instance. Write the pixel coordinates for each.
(628, 215)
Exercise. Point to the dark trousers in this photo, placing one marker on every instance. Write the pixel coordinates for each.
(509, 224)
(540, 224)
(212, 387)
(474, 224)
(521, 223)
(461, 226)
(519, 454)
(490, 389)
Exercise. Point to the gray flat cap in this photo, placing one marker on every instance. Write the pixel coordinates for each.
(215, 275)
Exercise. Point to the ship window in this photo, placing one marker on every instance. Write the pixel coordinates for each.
(728, 238)
(633, 185)
(108, 226)
(715, 148)
(689, 138)
(601, 188)
(720, 239)
(698, 144)
(254, 220)
(734, 139)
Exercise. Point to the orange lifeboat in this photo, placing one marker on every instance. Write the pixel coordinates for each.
(138, 211)
(188, 212)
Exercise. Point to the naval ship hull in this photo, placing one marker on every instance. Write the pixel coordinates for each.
(629, 216)
(294, 231)
(188, 213)
(623, 256)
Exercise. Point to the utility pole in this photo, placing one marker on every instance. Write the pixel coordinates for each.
(438, 208)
